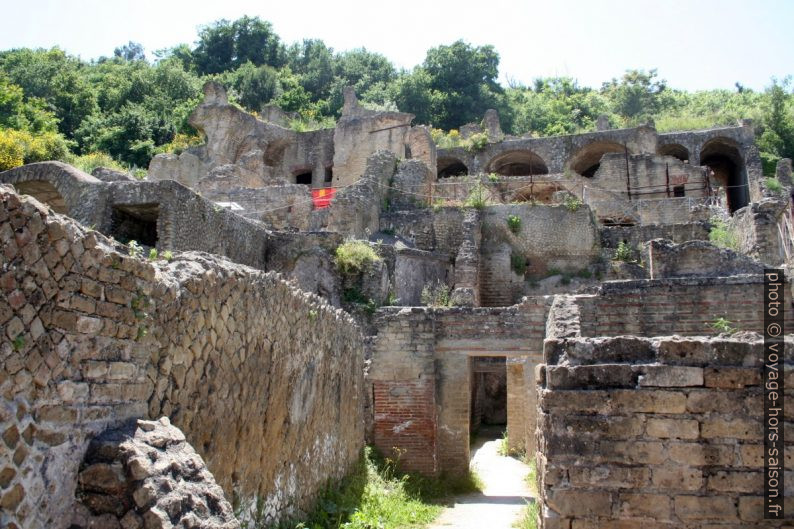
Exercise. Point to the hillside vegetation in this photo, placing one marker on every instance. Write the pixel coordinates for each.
(57, 106)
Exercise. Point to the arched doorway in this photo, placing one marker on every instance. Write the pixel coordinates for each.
(449, 167)
(44, 191)
(721, 156)
(588, 159)
(518, 163)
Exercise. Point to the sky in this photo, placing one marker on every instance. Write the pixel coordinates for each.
(694, 44)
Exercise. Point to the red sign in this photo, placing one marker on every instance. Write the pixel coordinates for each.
(677, 179)
(322, 197)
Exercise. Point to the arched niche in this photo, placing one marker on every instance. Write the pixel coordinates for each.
(449, 167)
(587, 160)
(518, 163)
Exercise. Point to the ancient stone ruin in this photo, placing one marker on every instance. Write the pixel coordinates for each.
(188, 351)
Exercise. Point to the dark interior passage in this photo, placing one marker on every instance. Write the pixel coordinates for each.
(135, 223)
(488, 392)
(727, 171)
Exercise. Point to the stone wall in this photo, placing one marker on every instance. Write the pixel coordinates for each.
(762, 230)
(612, 236)
(685, 306)
(548, 237)
(361, 132)
(663, 433)
(265, 381)
(421, 378)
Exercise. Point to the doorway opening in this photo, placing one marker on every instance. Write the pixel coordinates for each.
(488, 417)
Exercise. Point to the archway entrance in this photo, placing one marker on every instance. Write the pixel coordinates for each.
(722, 157)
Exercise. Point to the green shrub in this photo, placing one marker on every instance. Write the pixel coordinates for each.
(493, 178)
(180, 143)
(153, 254)
(448, 140)
(20, 147)
(476, 142)
(12, 151)
(375, 495)
(518, 263)
(773, 185)
(477, 198)
(88, 162)
(624, 253)
(723, 235)
(352, 257)
(134, 249)
(529, 516)
(436, 295)
(514, 223)
(722, 325)
(572, 203)
(168, 255)
(584, 273)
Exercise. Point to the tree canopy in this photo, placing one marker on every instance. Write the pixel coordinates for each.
(131, 108)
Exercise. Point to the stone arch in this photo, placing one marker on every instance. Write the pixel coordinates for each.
(517, 163)
(56, 184)
(449, 166)
(676, 150)
(587, 160)
(722, 156)
(45, 192)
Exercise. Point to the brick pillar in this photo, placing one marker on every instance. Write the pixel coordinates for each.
(454, 399)
(516, 405)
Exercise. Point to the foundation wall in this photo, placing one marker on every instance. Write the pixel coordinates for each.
(664, 433)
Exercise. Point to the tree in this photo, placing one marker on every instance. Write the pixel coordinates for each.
(132, 51)
(466, 76)
(225, 45)
(255, 85)
(637, 94)
(313, 62)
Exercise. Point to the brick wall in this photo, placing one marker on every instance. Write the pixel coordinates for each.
(653, 433)
(421, 351)
(686, 306)
(405, 423)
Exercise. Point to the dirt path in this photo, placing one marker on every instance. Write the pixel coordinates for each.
(500, 504)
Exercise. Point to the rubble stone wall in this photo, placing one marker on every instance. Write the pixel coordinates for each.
(264, 380)
(663, 434)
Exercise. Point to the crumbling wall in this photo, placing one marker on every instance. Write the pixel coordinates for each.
(361, 132)
(145, 474)
(264, 380)
(663, 258)
(635, 432)
(760, 230)
(546, 237)
(355, 210)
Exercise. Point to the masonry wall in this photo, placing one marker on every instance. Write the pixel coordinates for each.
(420, 378)
(662, 434)
(264, 380)
(685, 306)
